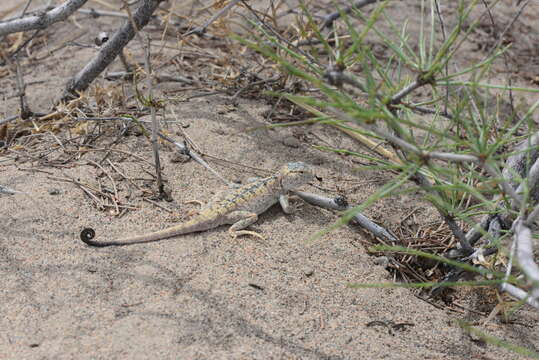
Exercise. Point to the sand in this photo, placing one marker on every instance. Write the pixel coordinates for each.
(205, 295)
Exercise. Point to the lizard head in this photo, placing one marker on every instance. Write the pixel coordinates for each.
(295, 174)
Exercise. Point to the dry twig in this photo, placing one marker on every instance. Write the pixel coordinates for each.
(200, 30)
(111, 49)
(59, 13)
(341, 205)
(330, 19)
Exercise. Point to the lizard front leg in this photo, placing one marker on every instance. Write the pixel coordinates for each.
(285, 204)
(240, 220)
(283, 200)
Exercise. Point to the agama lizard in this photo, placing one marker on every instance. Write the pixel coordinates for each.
(239, 207)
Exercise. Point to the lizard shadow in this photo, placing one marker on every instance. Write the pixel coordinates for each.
(306, 213)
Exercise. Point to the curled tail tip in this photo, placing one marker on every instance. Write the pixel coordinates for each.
(87, 235)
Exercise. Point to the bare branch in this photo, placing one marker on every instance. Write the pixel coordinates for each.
(416, 84)
(150, 101)
(25, 8)
(474, 234)
(9, 119)
(531, 182)
(519, 294)
(507, 188)
(426, 185)
(98, 13)
(533, 175)
(518, 165)
(341, 205)
(183, 149)
(21, 89)
(59, 13)
(524, 253)
(111, 49)
(457, 231)
(330, 19)
(336, 77)
(200, 30)
(155, 124)
(532, 216)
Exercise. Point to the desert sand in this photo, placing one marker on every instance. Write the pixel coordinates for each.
(204, 295)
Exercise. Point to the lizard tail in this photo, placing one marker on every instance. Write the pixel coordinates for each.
(194, 225)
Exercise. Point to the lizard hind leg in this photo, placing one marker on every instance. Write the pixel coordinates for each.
(241, 220)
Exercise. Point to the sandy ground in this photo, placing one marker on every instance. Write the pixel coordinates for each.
(205, 295)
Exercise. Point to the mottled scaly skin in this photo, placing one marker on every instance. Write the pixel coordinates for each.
(238, 206)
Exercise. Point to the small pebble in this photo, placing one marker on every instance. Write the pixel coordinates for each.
(477, 339)
(54, 192)
(135, 130)
(291, 141)
(167, 195)
(382, 260)
(308, 272)
(317, 161)
(176, 157)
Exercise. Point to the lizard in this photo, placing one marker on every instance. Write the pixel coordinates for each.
(240, 207)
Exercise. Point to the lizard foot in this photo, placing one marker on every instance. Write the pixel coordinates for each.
(235, 234)
(295, 207)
